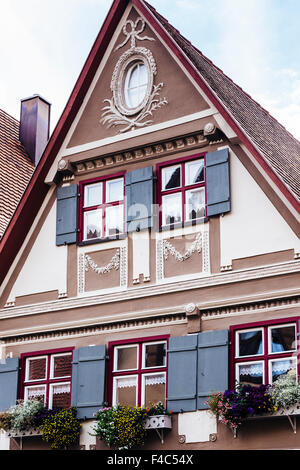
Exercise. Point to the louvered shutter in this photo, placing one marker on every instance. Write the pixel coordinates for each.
(88, 380)
(66, 215)
(217, 182)
(9, 373)
(212, 364)
(139, 199)
(182, 373)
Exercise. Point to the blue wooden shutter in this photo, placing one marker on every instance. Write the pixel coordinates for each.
(66, 214)
(139, 199)
(9, 373)
(182, 373)
(88, 380)
(212, 364)
(217, 182)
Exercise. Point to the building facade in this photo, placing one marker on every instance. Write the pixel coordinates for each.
(155, 253)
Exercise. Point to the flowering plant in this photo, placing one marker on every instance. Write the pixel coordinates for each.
(61, 429)
(233, 406)
(157, 409)
(286, 391)
(22, 414)
(121, 427)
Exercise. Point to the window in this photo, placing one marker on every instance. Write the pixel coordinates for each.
(102, 208)
(138, 372)
(136, 84)
(46, 376)
(182, 190)
(264, 352)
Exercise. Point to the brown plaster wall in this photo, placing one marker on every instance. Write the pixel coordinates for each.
(94, 281)
(182, 96)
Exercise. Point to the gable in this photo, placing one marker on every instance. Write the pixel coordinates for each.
(172, 95)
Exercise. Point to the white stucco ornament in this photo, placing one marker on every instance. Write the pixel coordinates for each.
(135, 96)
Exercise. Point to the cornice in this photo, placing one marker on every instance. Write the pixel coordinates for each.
(146, 291)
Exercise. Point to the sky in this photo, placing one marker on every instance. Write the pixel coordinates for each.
(44, 44)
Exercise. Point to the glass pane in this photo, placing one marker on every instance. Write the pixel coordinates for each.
(136, 84)
(61, 366)
(35, 393)
(282, 367)
(194, 172)
(195, 204)
(114, 190)
(250, 374)
(283, 338)
(126, 358)
(171, 209)
(36, 368)
(155, 388)
(250, 343)
(155, 355)
(61, 395)
(93, 195)
(114, 220)
(125, 391)
(92, 224)
(171, 177)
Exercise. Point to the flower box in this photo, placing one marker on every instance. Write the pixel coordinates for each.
(159, 422)
(28, 433)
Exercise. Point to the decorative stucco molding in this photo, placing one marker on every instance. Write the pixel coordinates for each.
(114, 263)
(118, 112)
(169, 248)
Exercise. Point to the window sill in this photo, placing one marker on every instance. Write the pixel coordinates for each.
(189, 223)
(94, 241)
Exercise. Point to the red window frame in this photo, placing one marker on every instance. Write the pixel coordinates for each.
(48, 380)
(266, 356)
(183, 188)
(140, 371)
(103, 206)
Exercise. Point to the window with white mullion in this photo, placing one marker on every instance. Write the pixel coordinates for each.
(282, 338)
(125, 390)
(36, 369)
(153, 388)
(126, 358)
(282, 366)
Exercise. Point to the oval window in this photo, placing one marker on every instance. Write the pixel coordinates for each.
(136, 84)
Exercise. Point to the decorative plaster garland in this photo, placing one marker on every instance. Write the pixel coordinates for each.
(113, 264)
(169, 248)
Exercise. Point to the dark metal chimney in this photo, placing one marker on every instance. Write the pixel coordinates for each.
(34, 126)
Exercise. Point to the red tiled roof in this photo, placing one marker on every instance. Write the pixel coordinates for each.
(16, 168)
(280, 149)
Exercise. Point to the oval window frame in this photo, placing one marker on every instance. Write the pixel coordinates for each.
(125, 63)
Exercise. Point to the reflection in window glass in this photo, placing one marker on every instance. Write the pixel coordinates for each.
(36, 368)
(283, 338)
(61, 395)
(195, 204)
(155, 355)
(250, 343)
(35, 393)
(171, 208)
(114, 190)
(154, 388)
(282, 367)
(93, 195)
(126, 390)
(194, 172)
(171, 177)
(114, 220)
(92, 224)
(250, 374)
(61, 365)
(126, 358)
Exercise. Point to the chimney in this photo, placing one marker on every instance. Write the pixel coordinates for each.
(34, 126)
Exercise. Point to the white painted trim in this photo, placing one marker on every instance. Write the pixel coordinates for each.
(133, 134)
